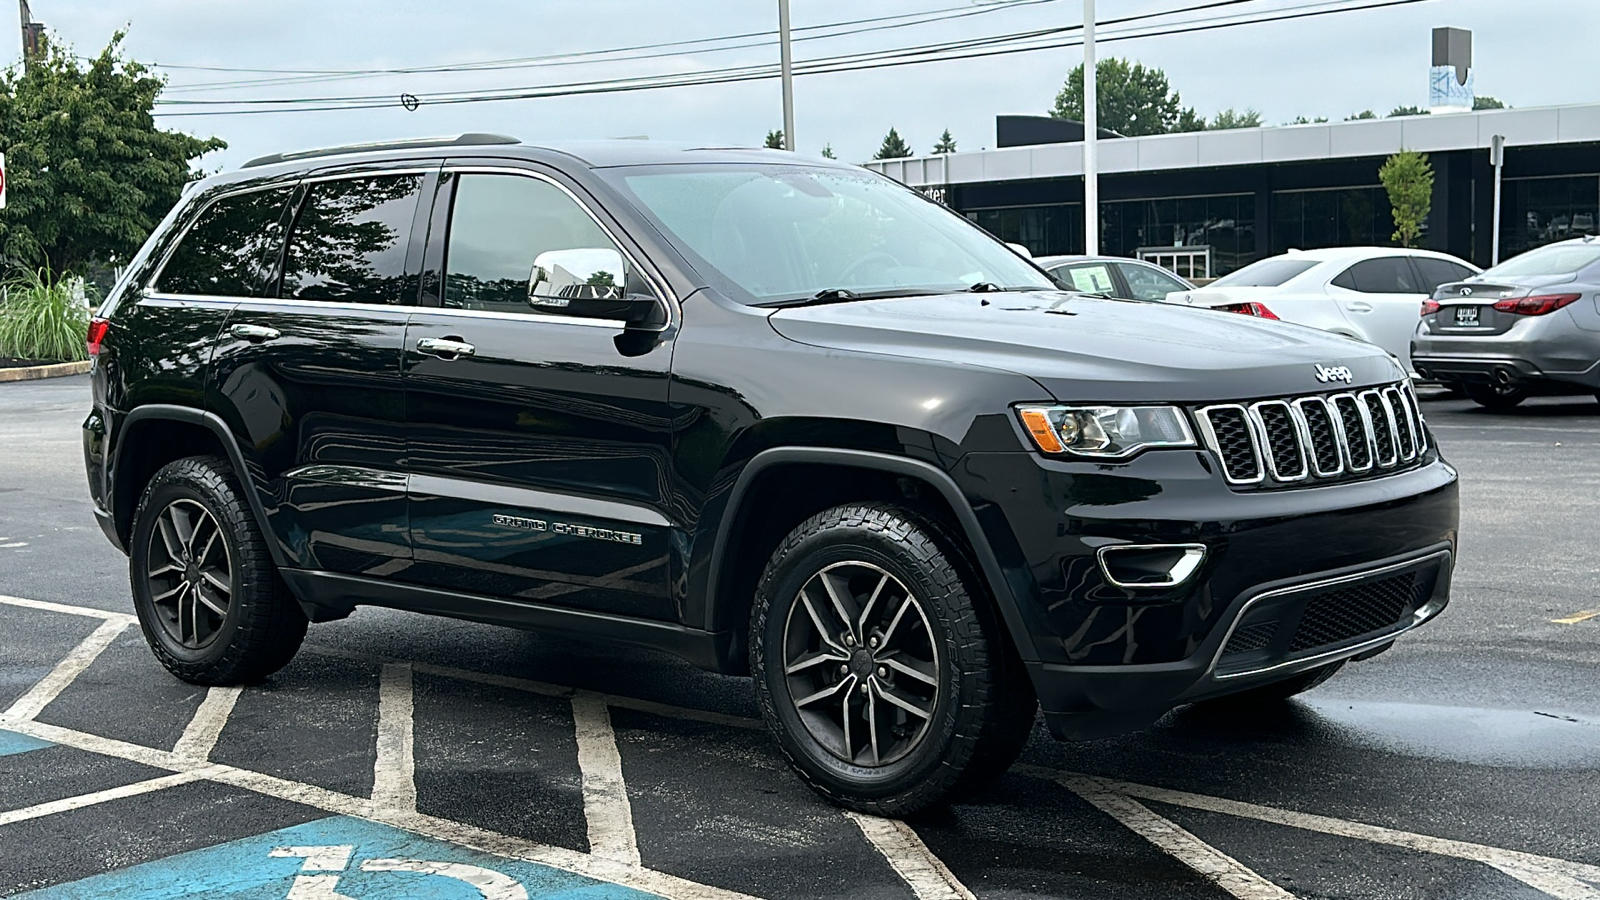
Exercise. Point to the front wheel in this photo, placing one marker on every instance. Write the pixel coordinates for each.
(209, 599)
(1495, 396)
(880, 666)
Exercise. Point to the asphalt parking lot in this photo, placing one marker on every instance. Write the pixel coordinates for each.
(404, 757)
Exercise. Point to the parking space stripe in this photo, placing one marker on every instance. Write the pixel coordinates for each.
(394, 775)
(668, 886)
(1217, 867)
(47, 606)
(36, 699)
(605, 793)
(117, 793)
(200, 737)
(1505, 860)
(927, 876)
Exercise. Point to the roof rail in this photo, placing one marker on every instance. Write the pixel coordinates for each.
(470, 139)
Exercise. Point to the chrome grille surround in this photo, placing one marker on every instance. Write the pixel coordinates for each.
(1315, 439)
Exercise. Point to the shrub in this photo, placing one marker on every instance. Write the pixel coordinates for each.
(42, 319)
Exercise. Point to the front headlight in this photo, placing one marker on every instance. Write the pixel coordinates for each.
(1105, 432)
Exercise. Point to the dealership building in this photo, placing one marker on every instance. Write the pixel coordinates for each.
(1206, 203)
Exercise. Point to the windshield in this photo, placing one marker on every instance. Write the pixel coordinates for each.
(1266, 273)
(790, 233)
(1552, 259)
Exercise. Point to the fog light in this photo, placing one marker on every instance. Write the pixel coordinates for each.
(1150, 565)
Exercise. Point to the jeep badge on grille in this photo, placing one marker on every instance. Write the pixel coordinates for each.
(1326, 374)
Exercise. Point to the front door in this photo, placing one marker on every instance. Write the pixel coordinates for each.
(539, 443)
(308, 377)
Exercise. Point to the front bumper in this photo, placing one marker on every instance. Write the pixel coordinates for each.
(1108, 659)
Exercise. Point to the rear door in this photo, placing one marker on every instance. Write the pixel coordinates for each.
(539, 443)
(308, 377)
(1381, 297)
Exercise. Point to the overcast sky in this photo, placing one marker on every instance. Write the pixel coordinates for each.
(1526, 52)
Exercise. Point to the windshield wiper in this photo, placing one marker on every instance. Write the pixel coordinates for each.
(843, 295)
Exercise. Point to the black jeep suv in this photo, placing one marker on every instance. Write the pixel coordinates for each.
(777, 415)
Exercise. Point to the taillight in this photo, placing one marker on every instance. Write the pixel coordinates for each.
(1536, 306)
(1259, 310)
(1429, 307)
(97, 333)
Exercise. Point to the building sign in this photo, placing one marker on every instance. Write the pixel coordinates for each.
(1450, 79)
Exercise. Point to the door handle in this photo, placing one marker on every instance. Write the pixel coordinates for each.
(255, 333)
(445, 348)
(1360, 306)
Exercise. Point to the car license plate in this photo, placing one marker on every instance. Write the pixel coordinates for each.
(1466, 316)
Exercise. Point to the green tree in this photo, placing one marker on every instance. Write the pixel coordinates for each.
(89, 172)
(1487, 103)
(893, 147)
(774, 140)
(1302, 120)
(1406, 111)
(1133, 100)
(1364, 114)
(827, 151)
(1232, 118)
(1189, 120)
(947, 144)
(1408, 179)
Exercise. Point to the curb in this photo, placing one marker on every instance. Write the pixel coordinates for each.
(31, 373)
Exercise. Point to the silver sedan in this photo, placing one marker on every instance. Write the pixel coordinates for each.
(1530, 325)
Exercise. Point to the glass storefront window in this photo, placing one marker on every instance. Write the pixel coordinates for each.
(1536, 211)
(1338, 217)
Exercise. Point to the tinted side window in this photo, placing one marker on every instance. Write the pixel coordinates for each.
(349, 242)
(222, 254)
(1385, 275)
(1440, 271)
(499, 225)
(1148, 282)
(1091, 278)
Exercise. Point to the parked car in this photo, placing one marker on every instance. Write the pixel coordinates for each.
(779, 416)
(1530, 325)
(1116, 276)
(1367, 293)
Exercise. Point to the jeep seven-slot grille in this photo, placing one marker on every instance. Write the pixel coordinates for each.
(1316, 439)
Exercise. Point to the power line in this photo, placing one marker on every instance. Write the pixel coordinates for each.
(860, 62)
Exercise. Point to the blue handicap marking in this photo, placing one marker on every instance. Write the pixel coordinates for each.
(339, 858)
(12, 743)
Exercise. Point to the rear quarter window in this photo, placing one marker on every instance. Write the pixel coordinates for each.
(223, 254)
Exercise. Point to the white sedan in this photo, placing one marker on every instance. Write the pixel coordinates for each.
(1373, 294)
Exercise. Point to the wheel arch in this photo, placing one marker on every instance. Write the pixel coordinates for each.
(156, 434)
(730, 570)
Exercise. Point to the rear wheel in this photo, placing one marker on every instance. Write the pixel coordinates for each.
(209, 599)
(1274, 693)
(1495, 396)
(883, 672)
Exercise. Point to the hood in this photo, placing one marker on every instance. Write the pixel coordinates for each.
(1085, 349)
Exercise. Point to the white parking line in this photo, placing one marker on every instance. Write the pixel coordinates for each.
(1515, 863)
(47, 606)
(927, 876)
(605, 793)
(117, 793)
(1217, 867)
(394, 775)
(39, 696)
(200, 738)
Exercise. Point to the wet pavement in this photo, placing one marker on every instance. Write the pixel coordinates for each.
(1464, 763)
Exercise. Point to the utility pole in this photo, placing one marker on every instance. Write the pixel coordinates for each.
(1091, 134)
(788, 75)
(31, 33)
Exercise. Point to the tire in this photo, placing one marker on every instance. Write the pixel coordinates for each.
(931, 701)
(1495, 396)
(193, 534)
(1275, 693)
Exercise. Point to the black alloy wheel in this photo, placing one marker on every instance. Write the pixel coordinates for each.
(209, 599)
(861, 667)
(881, 664)
(189, 573)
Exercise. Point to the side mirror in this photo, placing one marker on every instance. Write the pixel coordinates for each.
(589, 283)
